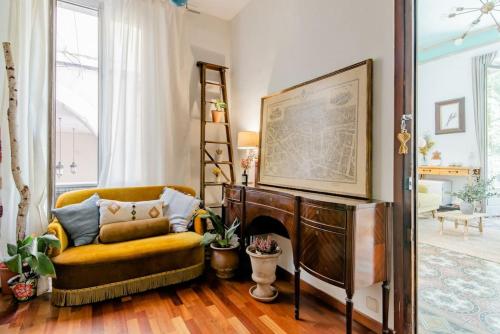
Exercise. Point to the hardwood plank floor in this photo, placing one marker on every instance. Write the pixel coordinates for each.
(206, 305)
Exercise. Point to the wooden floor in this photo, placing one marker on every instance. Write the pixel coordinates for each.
(206, 305)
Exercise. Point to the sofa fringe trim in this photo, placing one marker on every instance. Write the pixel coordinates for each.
(71, 297)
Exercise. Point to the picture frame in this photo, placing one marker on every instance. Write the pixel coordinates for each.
(450, 116)
(317, 136)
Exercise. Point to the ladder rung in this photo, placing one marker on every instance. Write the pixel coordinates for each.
(217, 142)
(210, 162)
(221, 123)
(214, 83)
(210, 66)
(211, 184)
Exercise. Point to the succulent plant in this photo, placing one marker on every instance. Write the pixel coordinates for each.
(266, 245)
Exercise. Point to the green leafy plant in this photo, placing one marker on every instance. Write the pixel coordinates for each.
(478, 191)
(219, 104)
(29, 258)
(220, 235)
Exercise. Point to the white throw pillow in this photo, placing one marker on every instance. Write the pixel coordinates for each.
(115, 211)
(178, 208)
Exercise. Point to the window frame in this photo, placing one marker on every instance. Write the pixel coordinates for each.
(93, 5)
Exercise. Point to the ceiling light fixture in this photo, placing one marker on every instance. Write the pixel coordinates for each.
(485, 9)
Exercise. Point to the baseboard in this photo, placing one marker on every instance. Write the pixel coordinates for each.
(321, 296)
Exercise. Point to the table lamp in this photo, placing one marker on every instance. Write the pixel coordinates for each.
(249, 141)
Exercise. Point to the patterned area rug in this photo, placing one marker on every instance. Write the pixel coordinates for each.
(457, 293)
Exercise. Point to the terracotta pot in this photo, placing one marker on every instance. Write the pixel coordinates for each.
(217, 116)
(23, 291)
(5, 275)
(263, 273)
(224, 261)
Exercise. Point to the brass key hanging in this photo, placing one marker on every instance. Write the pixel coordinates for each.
(404, 136)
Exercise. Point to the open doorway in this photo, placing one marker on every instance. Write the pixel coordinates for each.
(457, 166)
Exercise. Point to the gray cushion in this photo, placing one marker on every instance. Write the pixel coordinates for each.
(81, 221)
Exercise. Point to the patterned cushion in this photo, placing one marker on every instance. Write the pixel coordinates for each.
(179, 208)
(115, 211)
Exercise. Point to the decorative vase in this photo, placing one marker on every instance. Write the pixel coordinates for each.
(23, 291)
(5, 276)
(264, 274)
(467, 208)
(217, 179)
(244, 178)
(224, 261)
(218, 157)
(217, 116)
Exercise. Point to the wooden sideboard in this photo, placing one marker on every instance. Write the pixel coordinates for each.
(339, 240)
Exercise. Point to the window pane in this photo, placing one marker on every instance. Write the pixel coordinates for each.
(76, 97)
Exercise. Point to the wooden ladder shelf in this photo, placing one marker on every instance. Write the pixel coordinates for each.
(208, 146)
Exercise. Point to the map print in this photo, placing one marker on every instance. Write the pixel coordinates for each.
(312, 136)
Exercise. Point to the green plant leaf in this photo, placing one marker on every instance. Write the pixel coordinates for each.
(208, 238)
(11, 249)
(32, 262)
(48, 240)
(232, 229)
(14, 263)
(45, 266)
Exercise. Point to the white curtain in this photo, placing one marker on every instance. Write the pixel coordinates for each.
(479, 92)
(27, 29)
(144, 132)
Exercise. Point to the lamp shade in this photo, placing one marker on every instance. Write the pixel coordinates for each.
(248, 140)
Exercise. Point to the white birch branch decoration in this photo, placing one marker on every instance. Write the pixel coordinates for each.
(23, 189)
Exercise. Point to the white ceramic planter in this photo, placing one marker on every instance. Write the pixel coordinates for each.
(467, 208)
(264, 274)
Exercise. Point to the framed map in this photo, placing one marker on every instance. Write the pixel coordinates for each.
(316, 136)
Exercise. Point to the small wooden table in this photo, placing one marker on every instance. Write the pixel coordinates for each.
(459, 218)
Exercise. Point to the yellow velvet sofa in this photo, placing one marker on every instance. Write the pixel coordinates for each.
(96, 272)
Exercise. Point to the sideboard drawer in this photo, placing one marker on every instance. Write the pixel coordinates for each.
(323, 215)
(270, 199)
(323, 254)
(234, 194)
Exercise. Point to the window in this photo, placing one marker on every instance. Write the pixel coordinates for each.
(493, 135)
(77, 97)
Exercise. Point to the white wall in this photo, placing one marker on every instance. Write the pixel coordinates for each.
(443, 79)
(280, 43)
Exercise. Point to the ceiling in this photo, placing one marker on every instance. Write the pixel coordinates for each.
(435, 27)
(223, 9)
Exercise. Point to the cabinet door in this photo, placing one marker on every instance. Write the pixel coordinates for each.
(233, 210)
(323, 254)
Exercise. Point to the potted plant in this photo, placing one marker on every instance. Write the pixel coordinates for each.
(218, 112)
(217, 172)
(424, 146)
(224, 245)
(264, 254)
(476, 192)
(29, 260)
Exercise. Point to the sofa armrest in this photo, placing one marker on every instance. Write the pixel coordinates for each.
(200, 224)
(56, 229)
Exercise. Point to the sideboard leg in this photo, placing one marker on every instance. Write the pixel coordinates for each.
(348, 313)
(385, 307)
(297, 293)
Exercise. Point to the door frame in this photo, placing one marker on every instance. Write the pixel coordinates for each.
(404, 201)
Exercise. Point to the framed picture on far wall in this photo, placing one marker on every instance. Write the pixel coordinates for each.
(450, 116)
